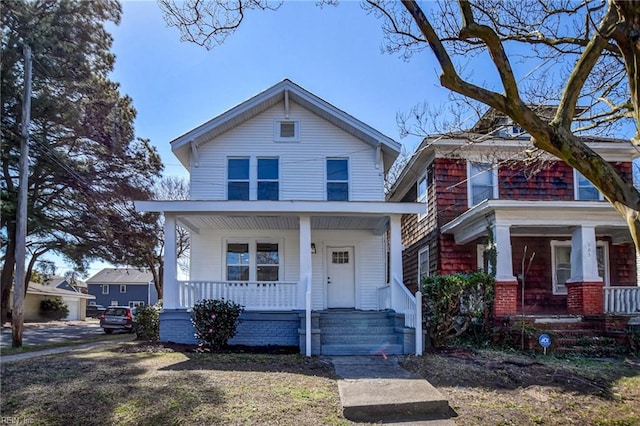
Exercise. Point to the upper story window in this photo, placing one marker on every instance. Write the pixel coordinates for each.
(238, 179)
(584, 189)
(482, 182)
(105, 289)
(123, 288)
(337, 179)
(286, 131)
(422, 195)
(268, 172)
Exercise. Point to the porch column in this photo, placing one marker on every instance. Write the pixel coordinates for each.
(170, 294)
(584, 288)
(395, 256)
(505, 301)
(305, 257)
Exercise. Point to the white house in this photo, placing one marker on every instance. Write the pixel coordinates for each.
(287, 216)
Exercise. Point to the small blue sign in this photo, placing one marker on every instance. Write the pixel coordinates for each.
(544, 340)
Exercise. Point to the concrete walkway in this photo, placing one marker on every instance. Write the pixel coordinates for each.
(378, 390)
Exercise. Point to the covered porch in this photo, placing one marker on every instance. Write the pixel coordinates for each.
(284, 260)
(553, 258)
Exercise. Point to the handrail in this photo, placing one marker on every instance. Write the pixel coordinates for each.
(411, 307)
(253, 295)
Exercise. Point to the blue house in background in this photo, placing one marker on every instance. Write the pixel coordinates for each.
(123, 287)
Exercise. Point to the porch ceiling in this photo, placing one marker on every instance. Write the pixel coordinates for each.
(198, 222)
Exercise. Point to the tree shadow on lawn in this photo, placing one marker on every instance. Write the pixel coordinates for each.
(99, 388)
(461, 367)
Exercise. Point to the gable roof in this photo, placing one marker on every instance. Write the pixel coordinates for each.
(121, 276)
(62, 282)
(45, 290)
(224, 122)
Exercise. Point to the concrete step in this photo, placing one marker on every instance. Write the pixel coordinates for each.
(377, 390)
(358, 329)
(356, 322)
(338, 349)
(373, 339)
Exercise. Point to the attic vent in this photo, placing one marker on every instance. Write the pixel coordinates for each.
(286, 131)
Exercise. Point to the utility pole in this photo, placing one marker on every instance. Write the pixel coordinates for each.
(17, 318)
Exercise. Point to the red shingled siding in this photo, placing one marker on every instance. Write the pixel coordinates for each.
(622, 264)
(451, 189)
(554, 182)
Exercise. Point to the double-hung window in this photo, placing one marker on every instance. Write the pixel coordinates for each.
(268, 179)
(561, 262)
(482, 183)
(584, 189)
(238, 178)
(337, 179)
(253, 260)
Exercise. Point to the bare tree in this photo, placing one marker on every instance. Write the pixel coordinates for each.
(589, 52)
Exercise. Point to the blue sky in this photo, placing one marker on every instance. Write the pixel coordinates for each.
(334, 52)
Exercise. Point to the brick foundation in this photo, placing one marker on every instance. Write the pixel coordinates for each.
(505, 299)
(585, 298)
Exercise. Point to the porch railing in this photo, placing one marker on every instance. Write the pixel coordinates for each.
(622, 300)
(409, 305)
(264, 295)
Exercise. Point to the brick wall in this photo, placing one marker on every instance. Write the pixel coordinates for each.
(505, 298)
(585, 298)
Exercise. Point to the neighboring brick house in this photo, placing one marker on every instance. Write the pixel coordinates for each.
(476, 193)
(123, 287)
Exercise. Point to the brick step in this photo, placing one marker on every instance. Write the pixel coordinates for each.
(361, 349)
(572, 333)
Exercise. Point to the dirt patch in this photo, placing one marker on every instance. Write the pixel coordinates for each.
(489, 387)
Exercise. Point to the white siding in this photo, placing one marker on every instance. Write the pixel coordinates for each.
(370, 259)
(302, 164)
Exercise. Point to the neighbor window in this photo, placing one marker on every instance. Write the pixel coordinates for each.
(482, 183)
(114, 303)
(422, 195)
(561, 263)
(135, 303)
(337, 179)
(123, 288)
(238, 179)
(584, 189)
(105, 289)
(286, 131)
(423, 265)
(268, 172)
(237, 262)
(253, 261)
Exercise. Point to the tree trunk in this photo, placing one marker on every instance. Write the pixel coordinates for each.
(6, 279)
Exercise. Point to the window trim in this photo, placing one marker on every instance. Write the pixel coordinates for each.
(123, 288)
(567, 243)
(105, 288)
(494, 181)
(136, 303)
(327, 181)
(253, 252)
(576, 188)
(420, 272)
(277, 135)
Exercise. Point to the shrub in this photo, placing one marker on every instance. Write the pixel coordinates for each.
(147, 321)
(454, 304)
(215, 321)
(54, 309)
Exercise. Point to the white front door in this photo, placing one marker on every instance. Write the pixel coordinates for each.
(341, 283)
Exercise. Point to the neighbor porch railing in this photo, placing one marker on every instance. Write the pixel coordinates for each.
(264, 295)
(622, 300)
(402, 301)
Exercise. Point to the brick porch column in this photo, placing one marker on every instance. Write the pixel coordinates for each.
(505, 300)
(585, 287)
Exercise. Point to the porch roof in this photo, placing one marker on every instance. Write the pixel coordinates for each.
(540, 218)
(340, 215)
